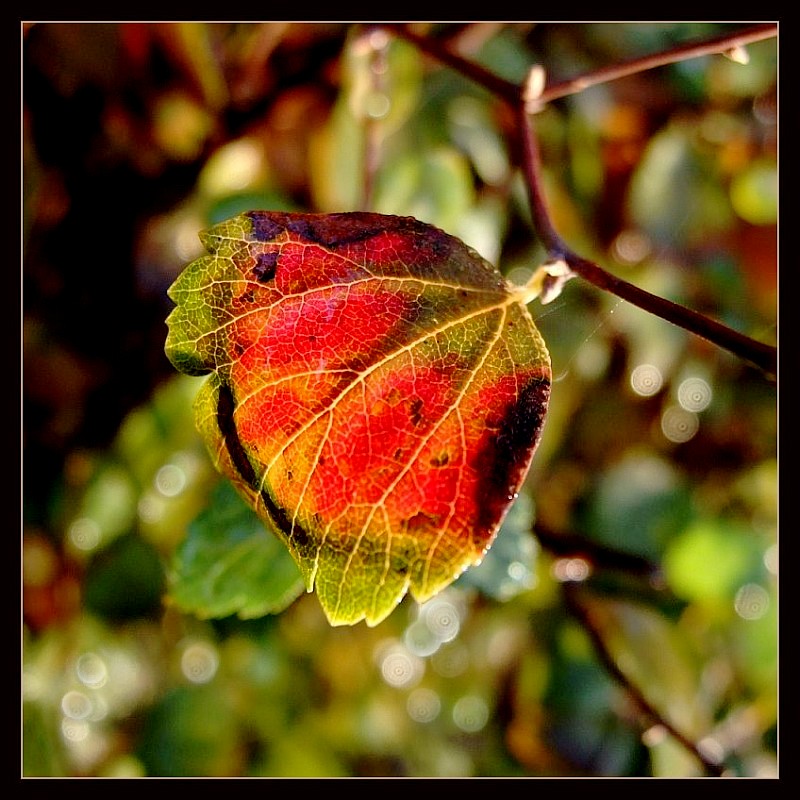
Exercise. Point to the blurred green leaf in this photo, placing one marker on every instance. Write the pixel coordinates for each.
(710, 560)
(234, 204)
(754, 193)
(296, 756)
(583, 727)
(674, 197)
(509, 567)
(229, 563)
(637, 504)
(192, 732)
(125, 581)
(110, 502)
(41, 756)
(380, 86)
(434, 186)
(653, 654)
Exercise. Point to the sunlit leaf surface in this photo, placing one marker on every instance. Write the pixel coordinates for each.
(377, 392)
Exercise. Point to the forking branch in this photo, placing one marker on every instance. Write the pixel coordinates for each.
(529, 98)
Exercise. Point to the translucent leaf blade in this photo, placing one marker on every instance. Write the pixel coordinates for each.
(377, 394)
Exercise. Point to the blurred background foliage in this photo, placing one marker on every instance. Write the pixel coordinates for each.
(649, 516)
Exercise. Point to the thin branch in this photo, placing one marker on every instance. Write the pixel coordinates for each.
(582, 614)
(565, 544)
(509, 92)
(762, 355)
(719, 44)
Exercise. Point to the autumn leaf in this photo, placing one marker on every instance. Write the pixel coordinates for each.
(376, 393)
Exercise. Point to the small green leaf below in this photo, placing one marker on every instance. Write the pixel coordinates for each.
(231, 564)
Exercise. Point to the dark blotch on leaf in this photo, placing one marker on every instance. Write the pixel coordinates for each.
(404, 558)
(420, 521)
(336, 230)
(265, 228)
(332, 230)
(507, 453)
(296, 533)
(415, 411)
(227, 427)
(264, 270)
(303, 228)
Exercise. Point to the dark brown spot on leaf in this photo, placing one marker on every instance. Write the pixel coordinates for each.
(266, 227)
(264, 270)
(420, 521)
(293, 532)
(507, 453)
(227, 427)
(415, 411)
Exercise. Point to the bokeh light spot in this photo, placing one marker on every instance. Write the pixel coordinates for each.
(771, 558)
(678, 424)
(751, 602)
(420, 640)
(199, 662)
(91, 670)
(442, 619)
(631, 247)
(84, 533)
(470, 713)
(423, 705)
(76, 705)
(377, 105)
(151, 507)
(398, 666)
(694, 394)
(74, 730)
(646, 380)
(170, 480)
(571, 569)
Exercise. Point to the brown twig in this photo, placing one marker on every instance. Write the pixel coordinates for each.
(720, 44)
(563, 544)
(762, 355)
(583, 615)
(509, 92)
(499, 87)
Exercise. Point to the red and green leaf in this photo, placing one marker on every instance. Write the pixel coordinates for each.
(376, 393)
